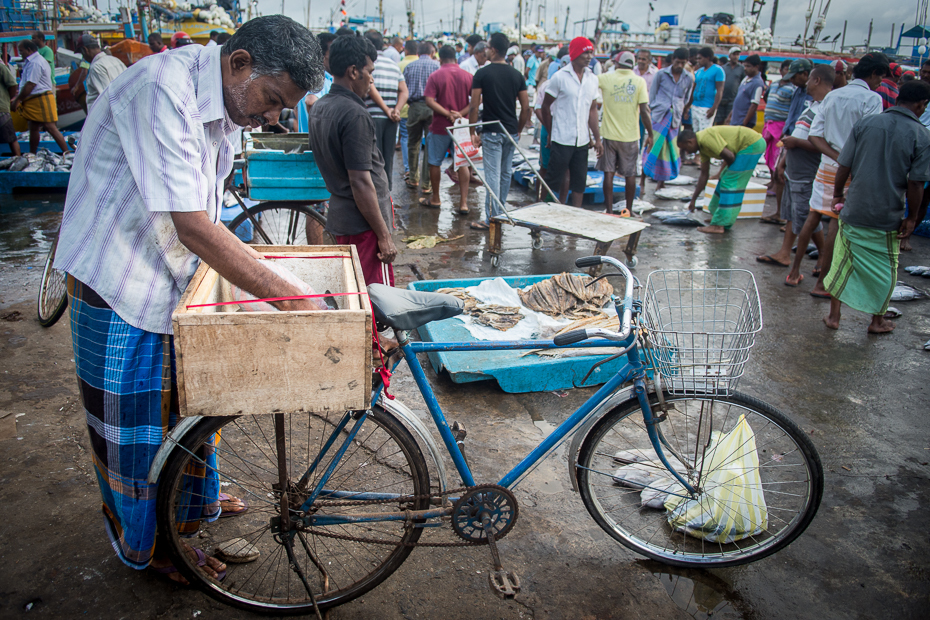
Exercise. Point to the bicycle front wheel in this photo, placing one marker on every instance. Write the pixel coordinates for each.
(788, 466)
(285, 223)
(238, 457)
(53, 292)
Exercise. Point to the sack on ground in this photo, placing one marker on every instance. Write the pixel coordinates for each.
(732, 506)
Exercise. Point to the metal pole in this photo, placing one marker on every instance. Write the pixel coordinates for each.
(843, 40)
(520, 27)
(774, 15)
(891, 41)
(868, 41)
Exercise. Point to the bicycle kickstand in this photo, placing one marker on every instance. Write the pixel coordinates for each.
(504, 583)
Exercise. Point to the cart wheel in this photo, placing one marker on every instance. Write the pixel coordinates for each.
(537, 243)
(495, 260)
(632, 262)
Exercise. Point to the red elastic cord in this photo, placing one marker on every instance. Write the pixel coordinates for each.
(279, 257)
(255, 301)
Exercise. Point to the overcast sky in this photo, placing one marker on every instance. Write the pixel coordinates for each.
(789, 24)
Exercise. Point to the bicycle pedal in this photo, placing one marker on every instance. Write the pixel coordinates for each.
(505, 584)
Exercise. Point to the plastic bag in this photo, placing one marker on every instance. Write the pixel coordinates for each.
(237, 294)
(465, 146)
(732, 506)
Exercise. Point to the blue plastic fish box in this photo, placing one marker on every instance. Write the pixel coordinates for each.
(281, 167)
(10, 181)
(514, 371)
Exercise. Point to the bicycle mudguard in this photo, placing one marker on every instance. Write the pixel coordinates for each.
(615, 399)
(171, 440)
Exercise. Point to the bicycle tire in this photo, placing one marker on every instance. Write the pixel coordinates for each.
(789, 468)
(53, 291)
(286, 223)
(383, 457)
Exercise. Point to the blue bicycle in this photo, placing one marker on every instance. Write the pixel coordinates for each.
(669, 459)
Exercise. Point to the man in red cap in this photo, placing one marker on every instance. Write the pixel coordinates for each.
(180, 39)
(570, 117)
(888, 89)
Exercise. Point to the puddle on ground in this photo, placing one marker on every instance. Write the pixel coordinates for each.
(29, 225)
(700, 594)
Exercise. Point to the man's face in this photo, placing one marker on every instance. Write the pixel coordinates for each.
(678, 65)
(155, 45)
(703, 62)
(689, 146)
(643, 60)
(23, 53)
(583, 60)
(361, 78)
(800, 79)
(751, 70)
(734, 58)
(925, 73)
(921, 108)
(255, 101)
(481, 57)
(38, 39)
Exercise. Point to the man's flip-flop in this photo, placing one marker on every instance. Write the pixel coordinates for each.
(411, 184)
(800, 279)
(232, 512)
(201, 562)
(425, 202)
(479, 226)
(768, 260)
(462, 211)
(821, 295)
(816, 272)
(772, 220)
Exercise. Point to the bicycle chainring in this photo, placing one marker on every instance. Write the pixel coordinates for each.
(492, 500)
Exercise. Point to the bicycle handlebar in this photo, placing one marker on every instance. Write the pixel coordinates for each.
(626, 324)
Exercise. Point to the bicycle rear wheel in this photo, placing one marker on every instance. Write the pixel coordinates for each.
(286, 223)
(789, 468)
(383, 458)
(53, 293)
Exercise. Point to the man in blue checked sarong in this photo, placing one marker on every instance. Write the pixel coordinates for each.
(142, 211)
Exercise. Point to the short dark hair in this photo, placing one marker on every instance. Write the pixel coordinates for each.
(925, 63)
(870, 64)
(754, 60)
(425, 48)
(376, 39)
(473, 39)
(914, 92)
(28, 45)
(685, 134)
(345, 31)
(563, 52)
(222, 38)
(786, 63)
(325, 39)
(824, 73)
(681, 53)
(277, 45)
(643, 50)
(693, 51)
(706, 52)
(499, 42)
(347, 52)
(446, 52)
(155, 38)
(410, 48)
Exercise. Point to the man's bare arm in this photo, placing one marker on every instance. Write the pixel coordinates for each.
(366, 199)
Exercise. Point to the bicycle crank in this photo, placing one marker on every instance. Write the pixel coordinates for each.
(484, 514)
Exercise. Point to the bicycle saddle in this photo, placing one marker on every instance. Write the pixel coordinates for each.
(406, 310)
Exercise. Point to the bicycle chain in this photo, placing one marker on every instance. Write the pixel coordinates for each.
(396, 500)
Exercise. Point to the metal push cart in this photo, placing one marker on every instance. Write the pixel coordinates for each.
(553, 217)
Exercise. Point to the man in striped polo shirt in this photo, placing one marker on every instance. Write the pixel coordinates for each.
(385, 101)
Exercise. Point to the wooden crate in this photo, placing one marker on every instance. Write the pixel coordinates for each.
(231, 362)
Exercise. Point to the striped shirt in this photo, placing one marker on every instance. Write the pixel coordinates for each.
(416, 74)
(387, 78)
(154, 143)
(779, 101)
(889, 92)
(36, 70)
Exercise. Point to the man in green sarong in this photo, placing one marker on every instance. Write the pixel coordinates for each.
(888, 157)
(740, 149)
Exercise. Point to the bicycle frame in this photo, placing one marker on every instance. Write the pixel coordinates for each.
(634, 370)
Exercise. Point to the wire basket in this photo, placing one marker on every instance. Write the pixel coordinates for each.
(701, 325)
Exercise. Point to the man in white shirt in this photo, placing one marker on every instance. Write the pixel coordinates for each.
(515, 58)
(478, 58)
(395, 49)
(569, 113)
(36, 98)
(142, 212)
(211, 43)
(103, 68)
(840, 110)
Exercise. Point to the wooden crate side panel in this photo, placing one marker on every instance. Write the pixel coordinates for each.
(265, 366)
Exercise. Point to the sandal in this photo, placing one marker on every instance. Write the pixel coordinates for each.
(236, 506)
(772, 220)
(463, 211)
(201, 562)
(768, 260)
(479, 226)
(425, 202)
(411, 184)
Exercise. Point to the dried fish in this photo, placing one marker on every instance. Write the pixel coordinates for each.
(499, 317)
(500, 322)
(567, 295)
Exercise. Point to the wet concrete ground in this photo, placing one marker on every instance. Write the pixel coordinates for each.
(863, 399)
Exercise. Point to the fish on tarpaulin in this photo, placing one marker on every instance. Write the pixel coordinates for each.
(567, 295)
(496, 316)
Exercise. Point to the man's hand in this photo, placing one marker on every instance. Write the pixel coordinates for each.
(14, 105)
(395, 115)
(692, 205)
(907, 227)
(454, 116)
(387, 252)
(839, 200)
(599, 148)
(476, 140)
(649, 141)
(711, 113)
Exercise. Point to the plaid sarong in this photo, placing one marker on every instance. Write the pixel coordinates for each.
(129, 391)
(864, 268)
(40, 108)
(724, 207)
(662, 162)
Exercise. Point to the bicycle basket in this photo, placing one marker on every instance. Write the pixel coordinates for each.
(701, 325)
